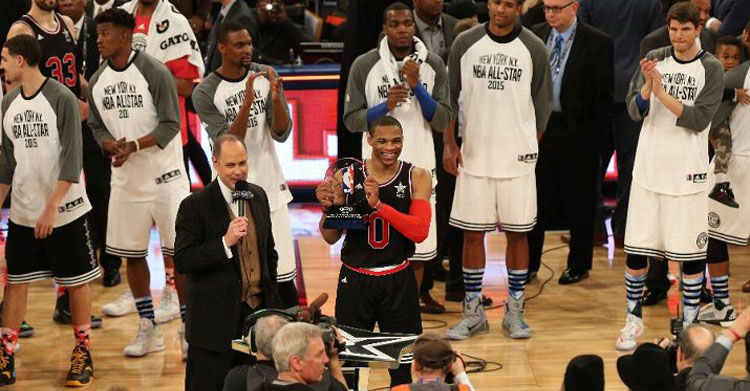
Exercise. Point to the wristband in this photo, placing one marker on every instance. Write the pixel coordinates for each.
(137, 145)
(734, 333)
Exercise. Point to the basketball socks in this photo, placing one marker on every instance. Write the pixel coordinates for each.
(691, 297)
(145, 307)
(183, 312)
(169, 276)
(634, 288)
(473, 283)
(9, 340)
(82, 334)
(517, 282)
(720, 285)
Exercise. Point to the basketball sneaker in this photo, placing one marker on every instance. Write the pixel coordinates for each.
(148, 340)
(629, 334)
(168, 308)
(717, 313)
(81, 368)
(183, 342)
(473, 323)
(7, 368)
(513, 321)
(124, 305)
(723, 193)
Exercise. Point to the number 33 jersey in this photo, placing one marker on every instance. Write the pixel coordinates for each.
(41, 145)
(380, 244)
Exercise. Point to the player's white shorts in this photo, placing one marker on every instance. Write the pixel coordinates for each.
(129, 221)
(666, 226)
(282, 237)
(427, 250)
(732, 225)
(480, 203)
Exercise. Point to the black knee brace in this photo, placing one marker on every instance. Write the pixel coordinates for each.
(636, 262)
(717, 251)
(693, 267)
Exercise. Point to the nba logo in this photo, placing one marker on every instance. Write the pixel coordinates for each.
(347, 179)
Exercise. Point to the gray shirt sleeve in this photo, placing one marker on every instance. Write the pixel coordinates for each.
(732, 79)
(541, 79)
(698, 117)
(7, 159)
(355, 102)
(98, 130)
(210, 115)
(440, 92)
(269, 113)
(462, 43)
(164, 92)
(69, 131)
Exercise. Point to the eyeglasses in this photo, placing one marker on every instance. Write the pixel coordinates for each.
(556, 10)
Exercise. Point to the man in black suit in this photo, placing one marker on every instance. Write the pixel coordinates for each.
(660, 37)
(95, 7)
(229, 265)
(96, 165)
(235, 10)
(582, 64)
(434, 27)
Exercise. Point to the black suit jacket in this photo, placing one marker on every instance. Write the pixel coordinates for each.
(214, 283)
(87, 38)
(240, 13)
(659, 38)
(449, 23)
(89, 10)
(587, 90)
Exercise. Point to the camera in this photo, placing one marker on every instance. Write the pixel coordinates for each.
(273, 7)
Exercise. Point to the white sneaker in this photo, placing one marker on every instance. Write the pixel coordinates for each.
(149, 339)
(717, 313)
(168, 308)
(629, 334)
(183, 342)
(122, 306)
(513, 320)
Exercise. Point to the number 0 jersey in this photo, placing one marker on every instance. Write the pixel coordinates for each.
(42, 145)
(380, 244)
(58, 52)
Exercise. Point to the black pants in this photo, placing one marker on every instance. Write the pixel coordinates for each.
(193, 152)
(206, 369)
(450, 239)
(623, 140)
(98, 172)
(288, 293)
(362, 301)
(566, 179)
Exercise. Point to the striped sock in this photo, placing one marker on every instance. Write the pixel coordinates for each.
(145, 307)
(183, 312)
(691, 297)
(83, 334)
(720, 285)
(634, 292)
(517, 282)
(473, 282)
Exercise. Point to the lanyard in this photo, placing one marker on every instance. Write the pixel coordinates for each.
(556, 58)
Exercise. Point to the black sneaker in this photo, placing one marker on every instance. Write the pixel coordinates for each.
(62, 313)
(26, 330)
(7, 368)
(81, 368)
(723, 193)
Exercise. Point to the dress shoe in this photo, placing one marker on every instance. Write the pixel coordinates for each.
(652, 298)
(532, 277)
(570, 276)
(111, 278)
(600, 239)
(429, 305)
(746, 286)
(565, 238)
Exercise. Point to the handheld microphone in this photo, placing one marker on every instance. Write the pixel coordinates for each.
(241, 193)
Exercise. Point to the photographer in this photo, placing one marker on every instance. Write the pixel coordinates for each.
(705, 373)
(275, 35)
(252, 377)
(688, 347)
(434, 359)
(300, 358)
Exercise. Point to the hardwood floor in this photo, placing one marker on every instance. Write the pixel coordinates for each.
(566, 321)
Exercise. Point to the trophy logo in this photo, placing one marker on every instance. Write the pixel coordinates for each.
(350, 207)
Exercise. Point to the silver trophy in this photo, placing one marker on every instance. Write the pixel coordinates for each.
(350, 207)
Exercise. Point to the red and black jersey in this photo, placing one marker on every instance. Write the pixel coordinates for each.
(380, 244)
(58, 52)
